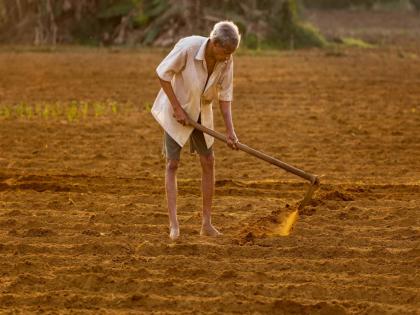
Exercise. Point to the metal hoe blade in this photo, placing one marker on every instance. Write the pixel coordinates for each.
(308, 196)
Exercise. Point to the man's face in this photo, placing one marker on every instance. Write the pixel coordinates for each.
(221, 53)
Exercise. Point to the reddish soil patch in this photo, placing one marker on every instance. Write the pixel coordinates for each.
(83, 224)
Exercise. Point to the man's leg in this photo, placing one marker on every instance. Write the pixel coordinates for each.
(207, 187)
(171, 191)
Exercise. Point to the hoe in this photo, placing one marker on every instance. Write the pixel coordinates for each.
(313, 179)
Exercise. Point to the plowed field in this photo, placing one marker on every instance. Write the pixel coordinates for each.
(83, 223)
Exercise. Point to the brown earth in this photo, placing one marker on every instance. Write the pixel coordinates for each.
(83, 224)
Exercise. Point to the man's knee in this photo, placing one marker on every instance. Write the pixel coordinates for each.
(172, 165)
(207, 161)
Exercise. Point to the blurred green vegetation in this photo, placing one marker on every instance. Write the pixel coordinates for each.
(362, 4)
(65, 111)
(354, 42)
(263, 23)
(288, 31)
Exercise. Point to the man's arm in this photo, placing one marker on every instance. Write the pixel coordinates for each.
(179, 112)
(225, 108)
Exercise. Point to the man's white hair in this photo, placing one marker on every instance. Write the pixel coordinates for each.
(226, 33)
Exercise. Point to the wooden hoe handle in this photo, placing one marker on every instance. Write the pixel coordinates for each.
(314, 180)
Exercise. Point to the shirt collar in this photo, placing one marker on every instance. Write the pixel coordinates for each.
(201, 54)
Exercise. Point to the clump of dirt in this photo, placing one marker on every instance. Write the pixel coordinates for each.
(337, 196)
(228, 274)
(90, 232)
(39, 232)
(307, 211)
(293, 307)
(324, 197)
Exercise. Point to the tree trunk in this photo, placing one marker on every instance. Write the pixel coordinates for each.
(19, 9)
(53, 29)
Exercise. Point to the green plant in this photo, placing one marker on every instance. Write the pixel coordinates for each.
(5, 111)
(38, 109)
(140, 20)
(20, 110)
(354, 42)
(59, 108)
(306, 35)
(54, 110)
(114, 107)
(147, 106)
(72, 112)
(46, 112)
(84, 109)
(29, 111)
(99, 109)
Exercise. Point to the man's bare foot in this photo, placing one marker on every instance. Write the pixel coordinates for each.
(173, 232)
(209, 230)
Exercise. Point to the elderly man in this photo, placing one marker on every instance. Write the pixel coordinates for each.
(196, 73)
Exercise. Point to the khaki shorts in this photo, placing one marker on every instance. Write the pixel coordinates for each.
(172, 150)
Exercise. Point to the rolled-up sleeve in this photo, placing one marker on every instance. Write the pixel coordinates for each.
(226, 86)
(173, 63)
